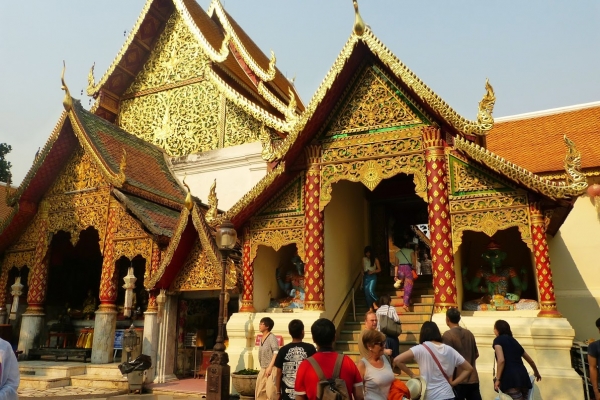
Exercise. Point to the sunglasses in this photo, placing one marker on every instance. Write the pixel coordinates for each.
(379, 343)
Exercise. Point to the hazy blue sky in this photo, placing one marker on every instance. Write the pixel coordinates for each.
(537, 54)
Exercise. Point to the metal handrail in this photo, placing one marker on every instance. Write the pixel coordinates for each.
(351, 294)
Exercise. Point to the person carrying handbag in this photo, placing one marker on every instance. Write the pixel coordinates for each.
(385, 309)
(406, 259)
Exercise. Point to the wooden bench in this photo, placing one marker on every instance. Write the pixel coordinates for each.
(35, 354)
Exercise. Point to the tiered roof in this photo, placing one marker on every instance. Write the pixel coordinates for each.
(517, 137)
(237, 66)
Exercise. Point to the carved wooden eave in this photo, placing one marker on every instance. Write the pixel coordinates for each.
(436, 106)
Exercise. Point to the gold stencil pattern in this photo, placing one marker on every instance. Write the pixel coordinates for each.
(276, 233)
(373, 105)
(240, 128)
(371, 146)
(289, 201)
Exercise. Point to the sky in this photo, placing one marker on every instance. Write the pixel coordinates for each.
(537, 54)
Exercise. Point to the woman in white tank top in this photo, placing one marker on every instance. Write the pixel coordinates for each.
(375, 370)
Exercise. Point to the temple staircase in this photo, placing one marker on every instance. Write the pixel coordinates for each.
(420, 311)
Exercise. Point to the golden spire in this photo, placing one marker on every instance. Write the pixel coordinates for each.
(91, 84)
(359, 24)
(189, 204)
(213, 202)
(68, 100)
(272, 62)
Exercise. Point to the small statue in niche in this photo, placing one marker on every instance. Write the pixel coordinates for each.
(292, 283)
(89, 305)
(494, 280)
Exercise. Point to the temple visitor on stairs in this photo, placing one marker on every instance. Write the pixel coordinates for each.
(370, 325)
(391, 342)
(406, 261)
(371, 268)
(463, 341)
(375, 369)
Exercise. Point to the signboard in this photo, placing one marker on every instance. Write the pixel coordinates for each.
(259, 339)
(118, 343)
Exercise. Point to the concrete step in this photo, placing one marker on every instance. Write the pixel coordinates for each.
(51, 368)
(43, 382)
(406, 335)
(108, 370)
(352, 345)
(98, 381)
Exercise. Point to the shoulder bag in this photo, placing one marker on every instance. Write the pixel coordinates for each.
(440, 367)
(414, 273)
(388, 325)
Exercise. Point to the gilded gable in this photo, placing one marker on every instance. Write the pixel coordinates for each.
(240, 127)
(289, 201)
(170, 103)
(467, 179)
(373, 102)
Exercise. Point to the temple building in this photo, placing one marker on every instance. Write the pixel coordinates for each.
(376, 158)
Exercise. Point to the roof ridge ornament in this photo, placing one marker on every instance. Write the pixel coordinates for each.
(359, 23)
(268, 150)
(213, 202)
(91, 81)
(189, 204)
(68, 100)
(574, 178)
(486, 108)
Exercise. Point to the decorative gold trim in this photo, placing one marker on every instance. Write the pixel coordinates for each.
(253, 193)
(213, 203)
(168, 254)
(268, 75)
(288, 110)
(518, 174)
(206, 238)
(276, 233)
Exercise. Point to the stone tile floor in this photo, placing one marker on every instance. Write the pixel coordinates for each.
(67, 392)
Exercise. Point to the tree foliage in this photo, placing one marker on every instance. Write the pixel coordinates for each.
(4, 164)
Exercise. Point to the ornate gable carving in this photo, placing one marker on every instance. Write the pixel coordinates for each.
(467, 180)
(289, 201)
(170, 103)
(240, 127)
(374, 102)
(198, 273)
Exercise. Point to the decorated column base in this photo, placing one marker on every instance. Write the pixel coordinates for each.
(150, 341)
(31, 328)
(547, 340)
(104, 334)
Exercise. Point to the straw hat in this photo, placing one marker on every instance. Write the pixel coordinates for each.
(416, 387)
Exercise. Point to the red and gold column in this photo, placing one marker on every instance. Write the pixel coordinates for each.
(442, 257)
(314, 241)
(542, 263)
(38, 280)
(108, 284)
(248, 275)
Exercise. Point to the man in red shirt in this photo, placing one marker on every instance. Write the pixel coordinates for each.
(323, 333)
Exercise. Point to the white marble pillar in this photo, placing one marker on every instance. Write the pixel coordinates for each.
(167, 342)
(150, 341)
(31, 329)
(104, 335)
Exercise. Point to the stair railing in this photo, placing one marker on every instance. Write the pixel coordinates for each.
(350, 297)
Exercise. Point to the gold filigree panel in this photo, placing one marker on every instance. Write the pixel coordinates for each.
(127, 227)
(466, 179)
(198, 273)
(177, 56)
(371, 146)
(487, 203)
(490, 222)
(19, 259)
(276, 239)
(79, 173)
(240, 127)
(289, 201)
(371, 172)
(28, 239)
(182, 120)
(132, 248)
(373, 104)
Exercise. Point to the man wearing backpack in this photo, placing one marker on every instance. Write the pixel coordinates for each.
(308, 384)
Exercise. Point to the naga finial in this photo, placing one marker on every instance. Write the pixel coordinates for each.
(91, 82)
(268, 151)
(68, 100)
(575, 178)
(486, 108)
(359, 23)
(122, 166)
(292, 104)
(189, 204)
(272, 61)
(213, 202)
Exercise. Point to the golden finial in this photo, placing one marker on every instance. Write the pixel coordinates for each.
(272, 61)
(292, 104)
(359, 24)
(122, 167)
(575, 177)
(213, 202)
(91, 83)
(68, 100)
(189, 204)
(486, 108)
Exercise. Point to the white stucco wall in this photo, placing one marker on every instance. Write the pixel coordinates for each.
(346, 235)
(237, 169)
(574, 259)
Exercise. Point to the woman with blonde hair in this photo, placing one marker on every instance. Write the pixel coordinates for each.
(375, 369)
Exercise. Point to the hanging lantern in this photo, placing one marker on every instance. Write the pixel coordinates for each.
(16, 291)
(129, 286)
(161, 299)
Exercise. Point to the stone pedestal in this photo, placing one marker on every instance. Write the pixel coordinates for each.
(165, 358)
(104, 335)
(150, 341)
(547, 340)
(31, 329)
